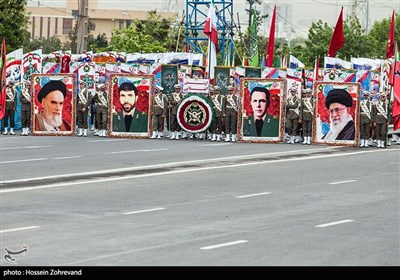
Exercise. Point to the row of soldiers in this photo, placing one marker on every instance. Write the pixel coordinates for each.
(374, 116)
(225, 114)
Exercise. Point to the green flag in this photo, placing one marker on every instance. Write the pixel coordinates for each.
(253, 50)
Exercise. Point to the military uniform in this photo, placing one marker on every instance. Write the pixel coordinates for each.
(101, 100)
(230, 105)
(216, 125)
(25, 99)
(381, 118)
(306, 115)
(83, 102)
(292, 117)
(11, 103)
(269, 126)
(365, 119)
(138, 122)
(173, 103)
(159, 112)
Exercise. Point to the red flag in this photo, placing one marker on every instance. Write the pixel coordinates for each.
(3, 87)
(337, 39)
(396, 92)
(316, 69)
(271, 41)
(211, 31)
(390, 44)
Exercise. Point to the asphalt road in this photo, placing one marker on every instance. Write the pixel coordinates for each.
(128, 202)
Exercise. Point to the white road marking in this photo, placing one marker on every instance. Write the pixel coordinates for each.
(18, 229)
(128, 169)
(342, 182)
(23, 160)
(103, 180)
(335, 223)
(224, 244)
(254, 194)
(143, 211)
(106, 140)
(26, 147)
(216, 144)
(134, 151)
(68, 157)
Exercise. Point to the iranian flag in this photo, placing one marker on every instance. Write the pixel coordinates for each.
(210, 30)
(396, 92)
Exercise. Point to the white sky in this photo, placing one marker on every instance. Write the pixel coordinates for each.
(301, 12)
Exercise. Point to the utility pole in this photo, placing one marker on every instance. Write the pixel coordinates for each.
(83, 27)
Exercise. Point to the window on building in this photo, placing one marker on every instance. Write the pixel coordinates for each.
(67, 25)
(92, 26)
(56, 26)
(121, 24)
(48, 27)
(33, 28)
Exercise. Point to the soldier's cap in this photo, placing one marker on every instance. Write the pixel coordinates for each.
(100, 86)
(177, 86)
(217, 88)
(337, 95)
(81, 82)
(231, 88)
(382, 94)
(159, 87)
(293, 90)
(11, 82)
(308, 91)
(366, 92)
(52, 86)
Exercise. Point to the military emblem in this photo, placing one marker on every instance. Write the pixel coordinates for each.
(194, 113)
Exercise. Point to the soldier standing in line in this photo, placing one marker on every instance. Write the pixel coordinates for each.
(101, 100)
(216, 126)
(159, 112)
(292, 119)
(174, 100)
(230, 105)
(25, 99)
(11, 103)
(381, 119)
(365, 119)
(306, 115)
(83, 101)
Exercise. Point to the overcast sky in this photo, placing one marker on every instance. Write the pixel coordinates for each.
(301, 13)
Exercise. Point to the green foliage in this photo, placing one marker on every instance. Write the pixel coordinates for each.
(98, 44)
(47, 45)
(13, 22)
(155, 34)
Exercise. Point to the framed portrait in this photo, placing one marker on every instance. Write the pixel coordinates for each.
(130, 103)
(53, 106)
(262, 110)
(336, 119)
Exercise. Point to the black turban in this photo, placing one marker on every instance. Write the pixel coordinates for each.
(52, 86)
(338, 96)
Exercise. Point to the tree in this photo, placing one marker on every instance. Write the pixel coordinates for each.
(99, 44)
(378, 36)
(47, 45)
(155, 34)
(14, 22)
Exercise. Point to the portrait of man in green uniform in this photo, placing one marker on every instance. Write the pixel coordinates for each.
(260, 124)
(129, 119)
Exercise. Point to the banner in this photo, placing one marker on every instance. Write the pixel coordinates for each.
(222, 78)
(252, 72)
(169, 77)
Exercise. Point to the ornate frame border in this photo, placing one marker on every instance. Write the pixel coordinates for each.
(241, 113)
(73, 105)
(114, 76)
(318, 87)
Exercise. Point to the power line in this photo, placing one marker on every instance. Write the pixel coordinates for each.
(51, 8)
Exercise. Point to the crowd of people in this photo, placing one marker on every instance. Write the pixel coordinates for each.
(92, 113)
